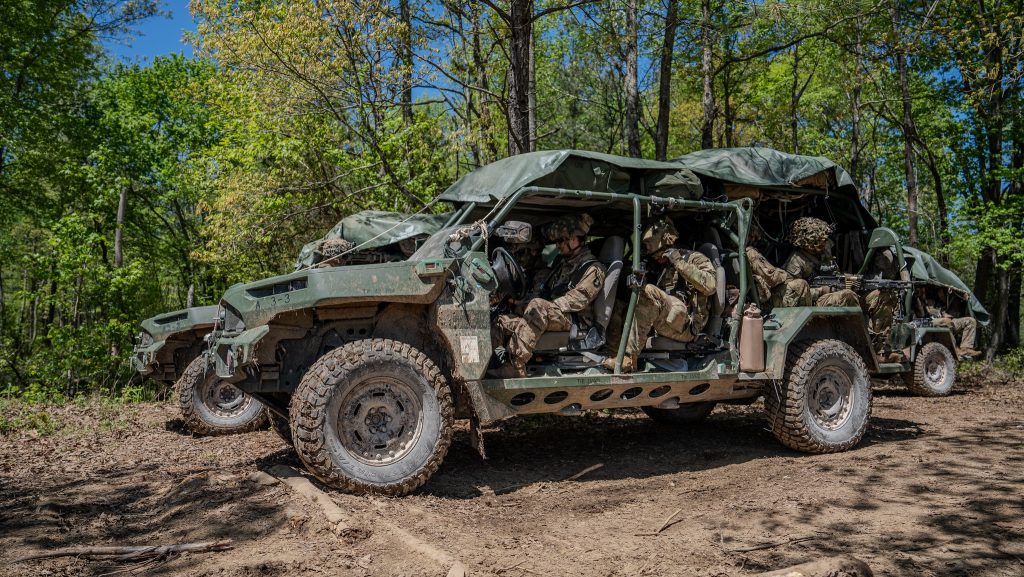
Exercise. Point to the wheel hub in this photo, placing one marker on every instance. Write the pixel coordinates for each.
(378, 423)
(225, 399)
(830, 398)
(936, 371)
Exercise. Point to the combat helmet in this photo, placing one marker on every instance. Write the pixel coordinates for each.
(660, 234)
(334, 247)
(568, 226)
(810, 233)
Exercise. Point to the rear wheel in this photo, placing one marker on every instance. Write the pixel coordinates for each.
(211, 406)
(689, 414)
(823, 405)
(934, 371)
(374, 416)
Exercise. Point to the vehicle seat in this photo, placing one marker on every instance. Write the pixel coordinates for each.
(612, 250)
(713, 330)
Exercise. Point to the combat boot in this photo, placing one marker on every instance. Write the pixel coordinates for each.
(628, 363)
(513, 369)
(968, 352)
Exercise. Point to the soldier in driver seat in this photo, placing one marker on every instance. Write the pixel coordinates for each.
(575, 281)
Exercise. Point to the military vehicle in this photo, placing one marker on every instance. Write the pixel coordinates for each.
(169, 342)
(371, 364)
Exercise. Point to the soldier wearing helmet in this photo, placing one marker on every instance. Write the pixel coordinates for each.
(811, 237)
(576, 279)
(775, 285)
(332, 249)
(676, 305)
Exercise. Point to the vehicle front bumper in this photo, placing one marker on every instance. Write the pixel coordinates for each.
(233, 353)
(144, 358)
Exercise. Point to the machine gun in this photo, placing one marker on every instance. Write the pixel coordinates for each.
(838, 281)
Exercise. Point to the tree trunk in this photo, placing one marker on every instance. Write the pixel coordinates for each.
(707, 129)
(190, 300)
(121, 201)
(907, 125)
(631, 90)
(1002, 309)
(858, 89)
(1013, 314)
(521, 32)
(532, 95)
(407, 61)
(794, 101)
(665, 80)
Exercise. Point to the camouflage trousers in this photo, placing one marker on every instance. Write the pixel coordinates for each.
(792, 293)
(668, 315)
(965, 329)
(523, 332)
(837, 298)
(880, 307)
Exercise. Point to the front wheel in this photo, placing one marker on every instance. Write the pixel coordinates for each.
(823, 405)
(211, 406)
(374, 416)
(934, 371)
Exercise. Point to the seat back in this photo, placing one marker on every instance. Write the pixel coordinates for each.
(611, 254)
(714, 326)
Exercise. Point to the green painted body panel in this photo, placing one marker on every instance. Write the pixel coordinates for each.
(787, 325)
(179, 326)
(261, 301)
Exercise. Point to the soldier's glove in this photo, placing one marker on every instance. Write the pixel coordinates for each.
(673, 255)
(635, 280)
(853, 281)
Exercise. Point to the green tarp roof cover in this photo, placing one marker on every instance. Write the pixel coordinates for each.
(372, 229)
(926, 269)
(756, 166)
(569, 169)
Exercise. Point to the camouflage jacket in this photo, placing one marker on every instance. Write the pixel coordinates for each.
(575, 282)
(802, 264)
(691, 278)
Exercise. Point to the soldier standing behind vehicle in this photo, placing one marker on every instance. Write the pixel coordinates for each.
(965, 329)
(676, 305)
(810, 236)
(574, 283)
(775, 285)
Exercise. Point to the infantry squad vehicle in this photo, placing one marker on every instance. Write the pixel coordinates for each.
(369, 365)
(168, 343)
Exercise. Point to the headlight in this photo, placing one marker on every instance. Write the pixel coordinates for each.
(145, 339)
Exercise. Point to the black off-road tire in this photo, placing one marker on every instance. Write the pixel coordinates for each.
(934, 371)
(210, 406)
(374, 416)
(823, 405)
(688, 414)
(281, 426)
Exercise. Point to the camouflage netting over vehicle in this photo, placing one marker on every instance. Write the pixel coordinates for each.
(928, 270)
(372, 229)
(573, 170)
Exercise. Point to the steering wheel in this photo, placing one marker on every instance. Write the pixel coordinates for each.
(509, 274)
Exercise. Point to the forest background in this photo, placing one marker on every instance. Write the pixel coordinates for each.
(130, 190)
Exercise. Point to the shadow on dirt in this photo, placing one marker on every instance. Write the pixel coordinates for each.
(546, 448)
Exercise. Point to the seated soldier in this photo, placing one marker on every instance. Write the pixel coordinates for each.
(810, 236)
(964, 328)
(676, 304)
(575, 281)
(880, 306)
(775, 285)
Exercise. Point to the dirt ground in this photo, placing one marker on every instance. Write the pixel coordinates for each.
(935, 488)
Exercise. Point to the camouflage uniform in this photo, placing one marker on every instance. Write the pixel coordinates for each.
(880, 305)
(574, 282)
(774, 285)
(676, 305)
(810, 236)
(965, 329)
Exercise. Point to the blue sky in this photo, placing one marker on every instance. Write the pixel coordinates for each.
(158, 36)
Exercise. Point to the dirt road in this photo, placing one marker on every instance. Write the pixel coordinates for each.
(936, 488)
